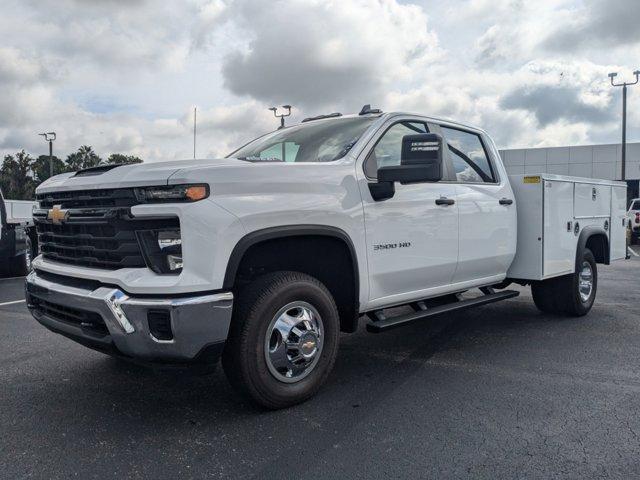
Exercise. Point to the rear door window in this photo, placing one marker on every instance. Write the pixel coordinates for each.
(468, 156)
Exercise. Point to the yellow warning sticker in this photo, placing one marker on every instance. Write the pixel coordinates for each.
(531, 179)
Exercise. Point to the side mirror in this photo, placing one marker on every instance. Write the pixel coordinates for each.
(420, 161)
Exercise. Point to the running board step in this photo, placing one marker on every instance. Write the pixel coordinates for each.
(384, 324)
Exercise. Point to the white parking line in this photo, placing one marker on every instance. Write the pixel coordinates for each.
(10, 278)
(11, 303)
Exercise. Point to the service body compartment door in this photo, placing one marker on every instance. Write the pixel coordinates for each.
(618, 235)
(592, 200)
(559, 249)
(527, 263)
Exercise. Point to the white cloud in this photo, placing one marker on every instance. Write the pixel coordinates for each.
(123, 75)
(321, 53)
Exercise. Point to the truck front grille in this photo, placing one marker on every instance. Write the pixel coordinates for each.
(104, 198)
(98, 230)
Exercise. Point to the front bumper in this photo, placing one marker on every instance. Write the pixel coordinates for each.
(107, 319)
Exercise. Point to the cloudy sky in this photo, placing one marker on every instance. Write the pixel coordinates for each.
(124, 75)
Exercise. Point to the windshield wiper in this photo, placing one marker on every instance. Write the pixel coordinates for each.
(260, 159)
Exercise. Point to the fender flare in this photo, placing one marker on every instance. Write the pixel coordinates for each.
(585, 234)
(273, 233)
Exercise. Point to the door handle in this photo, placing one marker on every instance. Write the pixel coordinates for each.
(445, 201)
(506, 201)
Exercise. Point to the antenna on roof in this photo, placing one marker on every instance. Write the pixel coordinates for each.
(282, 115)
(320, 117)
(367, 109)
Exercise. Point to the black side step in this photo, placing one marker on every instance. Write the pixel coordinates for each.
(384, 324)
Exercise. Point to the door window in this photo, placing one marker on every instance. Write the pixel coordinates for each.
(388, 150)
(468, 156)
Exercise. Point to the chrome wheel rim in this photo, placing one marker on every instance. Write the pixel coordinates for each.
(293, 342)
(585, 281)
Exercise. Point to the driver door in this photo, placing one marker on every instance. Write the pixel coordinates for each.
(412, 241)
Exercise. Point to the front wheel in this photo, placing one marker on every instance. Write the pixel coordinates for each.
(20, 265)
(283, 340)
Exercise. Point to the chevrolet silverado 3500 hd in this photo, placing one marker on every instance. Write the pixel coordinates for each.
(263, 257)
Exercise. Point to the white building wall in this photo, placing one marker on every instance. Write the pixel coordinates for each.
(593, 161)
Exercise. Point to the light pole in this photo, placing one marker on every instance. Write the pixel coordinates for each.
(282, 115)
(624, 86)
(194, 132)
(49, 137)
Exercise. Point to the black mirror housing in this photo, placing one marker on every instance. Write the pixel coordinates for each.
(422, 149)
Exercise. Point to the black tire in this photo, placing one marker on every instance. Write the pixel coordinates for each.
(562, 294)
(570, 300)
(244, 358)
(544, 295)
(20, 265)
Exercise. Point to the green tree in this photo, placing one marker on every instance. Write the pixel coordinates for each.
(16, 177)
(40, 168)
(85, 157)
(120, 159)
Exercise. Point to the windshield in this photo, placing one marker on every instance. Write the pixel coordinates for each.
(636, 205)
(317, 141)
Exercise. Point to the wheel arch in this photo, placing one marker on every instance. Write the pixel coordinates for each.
(597, 240)
(348, 302)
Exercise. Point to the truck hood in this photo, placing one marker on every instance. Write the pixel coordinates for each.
(139, 175)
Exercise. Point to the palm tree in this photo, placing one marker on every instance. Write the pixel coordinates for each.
(85, 157)
(16, 176)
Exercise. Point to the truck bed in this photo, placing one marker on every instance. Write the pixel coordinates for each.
(553, 210)
(19, 211)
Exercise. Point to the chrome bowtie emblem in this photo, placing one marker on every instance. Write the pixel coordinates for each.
(57, 215)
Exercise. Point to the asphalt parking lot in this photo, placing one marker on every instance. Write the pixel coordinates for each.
(502, 391)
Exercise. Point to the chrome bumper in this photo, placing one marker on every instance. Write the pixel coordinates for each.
(198, 322)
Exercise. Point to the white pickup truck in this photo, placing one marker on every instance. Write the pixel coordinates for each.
(263, 257)
(17, 236)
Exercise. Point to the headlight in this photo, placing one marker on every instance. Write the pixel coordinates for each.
(172, 193)
(162, 250)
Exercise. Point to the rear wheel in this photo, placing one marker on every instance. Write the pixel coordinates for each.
(544, 295)
(571, 294)
(283, 339)
(579, 290)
